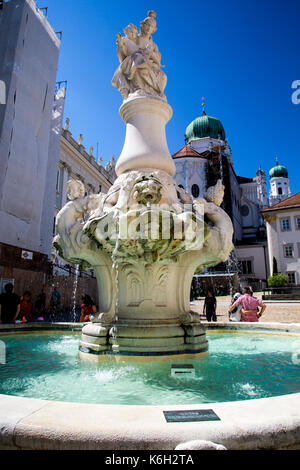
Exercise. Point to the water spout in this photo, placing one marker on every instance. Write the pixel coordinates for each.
(75, 286)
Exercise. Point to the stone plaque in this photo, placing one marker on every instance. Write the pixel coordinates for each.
(186, 416)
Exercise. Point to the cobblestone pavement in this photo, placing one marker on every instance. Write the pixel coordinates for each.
(283, 312)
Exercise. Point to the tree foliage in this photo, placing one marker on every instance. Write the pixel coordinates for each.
(278, 280)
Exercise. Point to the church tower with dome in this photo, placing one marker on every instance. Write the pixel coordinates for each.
(207, 157)
(280, 184)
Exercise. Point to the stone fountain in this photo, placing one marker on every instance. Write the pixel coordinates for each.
(146, 237)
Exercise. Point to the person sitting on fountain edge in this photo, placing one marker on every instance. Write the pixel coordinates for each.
(87, 308)
(210, 306)
(250, 305)
(25, 314)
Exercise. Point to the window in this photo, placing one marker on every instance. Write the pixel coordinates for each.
(180, 186)
(279, 190)
(195, 190)
(45, 97)
(288, 251)
(68, 178)
(297, 222)
(246, 266)
(285, 224)
(59, 187)
(292, 277)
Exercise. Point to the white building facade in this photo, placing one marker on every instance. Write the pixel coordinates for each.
(76, 163)
(30, 124)
(283, 231)
(37, 156)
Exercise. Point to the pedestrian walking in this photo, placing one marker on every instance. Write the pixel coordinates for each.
(40, 305)
(235, 315)
(55, 301)
(9, 305)
(210, 306)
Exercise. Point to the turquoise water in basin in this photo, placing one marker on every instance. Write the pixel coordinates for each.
(240, 366)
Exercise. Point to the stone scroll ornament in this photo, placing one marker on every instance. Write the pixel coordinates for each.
(146, 237)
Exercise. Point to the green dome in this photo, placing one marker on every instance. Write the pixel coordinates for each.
(204, 126)
(279, 171)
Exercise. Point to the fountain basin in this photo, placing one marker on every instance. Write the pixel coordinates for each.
(265, 423)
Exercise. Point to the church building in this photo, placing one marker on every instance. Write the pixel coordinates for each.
(207, 157)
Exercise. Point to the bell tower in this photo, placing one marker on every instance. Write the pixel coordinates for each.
(280, 184)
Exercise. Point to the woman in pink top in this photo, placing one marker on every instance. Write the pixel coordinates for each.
(249, 306)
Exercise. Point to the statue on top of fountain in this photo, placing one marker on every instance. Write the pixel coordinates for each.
(140, 71)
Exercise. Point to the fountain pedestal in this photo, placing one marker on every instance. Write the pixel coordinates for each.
(153, 318)
(145, 143)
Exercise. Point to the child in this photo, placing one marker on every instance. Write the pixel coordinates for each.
(25, 314)
(87, 308)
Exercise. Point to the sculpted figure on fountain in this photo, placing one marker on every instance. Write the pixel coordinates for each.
(140, 61)
(69, 222)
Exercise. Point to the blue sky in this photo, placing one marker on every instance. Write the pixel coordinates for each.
(242, 56)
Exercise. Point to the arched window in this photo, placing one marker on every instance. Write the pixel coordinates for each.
(180, 186)
(279, 190)
(195, 190)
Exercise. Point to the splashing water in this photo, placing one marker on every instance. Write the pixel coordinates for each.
(115, 267)
(221, 160)
(75, 286)
(233, 267)
(233, 264)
